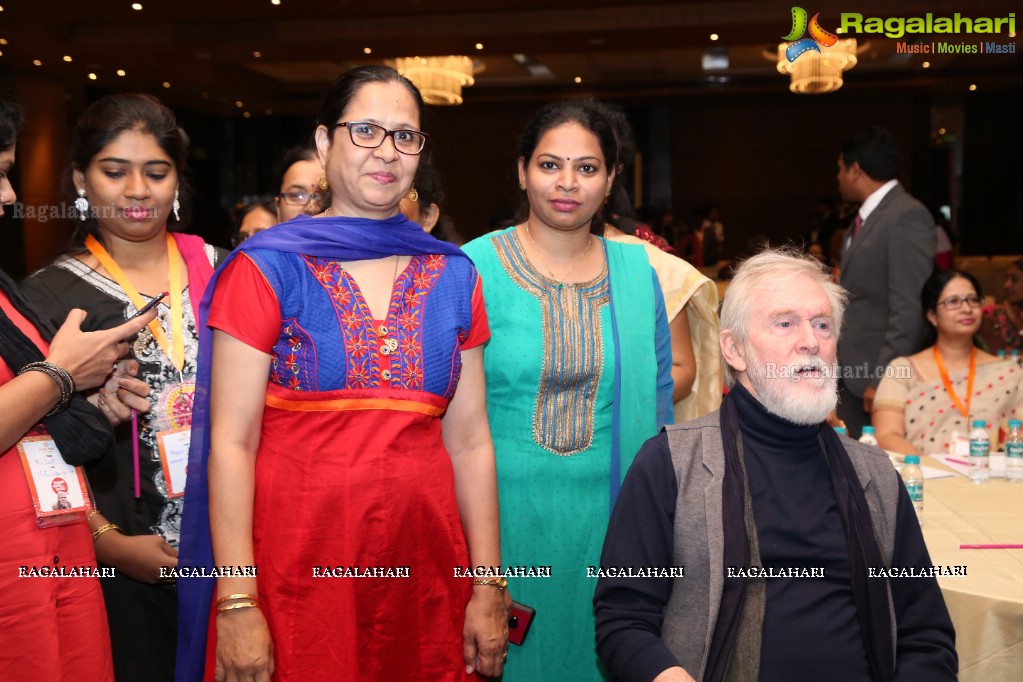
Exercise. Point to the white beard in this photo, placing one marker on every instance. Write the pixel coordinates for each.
(799, 407)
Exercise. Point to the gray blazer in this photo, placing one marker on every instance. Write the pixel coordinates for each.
(699, 461)
(884, 268)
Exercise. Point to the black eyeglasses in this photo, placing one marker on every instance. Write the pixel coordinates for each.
(301, 198)
(371, 136)
(956, 302)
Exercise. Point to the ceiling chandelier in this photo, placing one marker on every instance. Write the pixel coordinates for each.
(817, 73)
(440, 79)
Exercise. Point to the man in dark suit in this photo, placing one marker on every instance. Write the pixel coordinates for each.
(888, 255)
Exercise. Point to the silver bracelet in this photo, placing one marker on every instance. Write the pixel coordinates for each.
(60, 376)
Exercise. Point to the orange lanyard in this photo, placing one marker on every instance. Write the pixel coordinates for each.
(177, 352)
(965, 409)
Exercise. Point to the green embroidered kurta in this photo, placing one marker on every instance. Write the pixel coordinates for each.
(549, 368)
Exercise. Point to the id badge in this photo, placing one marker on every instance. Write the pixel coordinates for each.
(172, 423)
(59, 492)
(173, 445)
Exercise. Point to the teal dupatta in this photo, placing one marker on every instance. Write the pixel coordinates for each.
(637, 308)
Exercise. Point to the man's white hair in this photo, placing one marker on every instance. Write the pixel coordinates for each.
(761, 272)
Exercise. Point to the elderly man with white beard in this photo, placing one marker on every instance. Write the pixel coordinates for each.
(781, 535)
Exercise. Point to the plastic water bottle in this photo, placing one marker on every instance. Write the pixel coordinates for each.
(840, 430)
(1001, 354)
(869, 437)
(1014, 452)
(1014, 355)
(913, 477)
(980, 452)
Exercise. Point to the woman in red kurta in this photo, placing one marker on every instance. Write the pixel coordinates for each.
(348, 429)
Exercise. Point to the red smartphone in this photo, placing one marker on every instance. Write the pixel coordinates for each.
(518, 624)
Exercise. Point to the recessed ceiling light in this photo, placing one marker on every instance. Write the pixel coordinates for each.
(239, 104)
(926, 65)
(941, 131)
(1, 8)
(973, 86)
(578, 79)
(166, 84)
(275, 2)
(3, 41)
(479, 46)
(120, 72)
(37, 62)
(257, 54)
(137, 6)
(67, 57)
(92, 76)
(367, 50)
(246, 114)
(269, 112)
(713, 36)
(1, 53)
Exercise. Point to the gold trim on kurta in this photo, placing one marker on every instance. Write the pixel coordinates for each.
(573, 349)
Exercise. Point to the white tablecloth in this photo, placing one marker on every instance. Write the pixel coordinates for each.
(986, 605)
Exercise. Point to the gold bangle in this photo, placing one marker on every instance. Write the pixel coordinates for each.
(241, 605)
(232, 597)
(88, 517)
(499, 583)
(103, 529)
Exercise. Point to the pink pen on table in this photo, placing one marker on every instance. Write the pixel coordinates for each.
(957, 461)
(990, 546)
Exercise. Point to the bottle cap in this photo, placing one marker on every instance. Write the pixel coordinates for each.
(840, 429)
(1016, 423)
(868, 429)
(979, 424)
(912, 459)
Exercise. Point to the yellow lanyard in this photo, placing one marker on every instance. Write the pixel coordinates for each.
(177, 352)
(964, 409)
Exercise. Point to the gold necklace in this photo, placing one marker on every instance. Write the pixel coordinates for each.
(578, 259)
(394, 277)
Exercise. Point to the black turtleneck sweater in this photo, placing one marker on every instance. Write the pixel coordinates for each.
(810, 627)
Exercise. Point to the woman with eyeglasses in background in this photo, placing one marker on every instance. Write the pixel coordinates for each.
(337, 438)
(304, 187)
(925, 397)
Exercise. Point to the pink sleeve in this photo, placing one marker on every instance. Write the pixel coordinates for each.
(245, 306)
(479, 332)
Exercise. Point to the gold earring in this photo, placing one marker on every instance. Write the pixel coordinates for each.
(413, 194)
(522, 185)
(323, 185)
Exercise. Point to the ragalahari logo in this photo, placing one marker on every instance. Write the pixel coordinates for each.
(818, 36)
